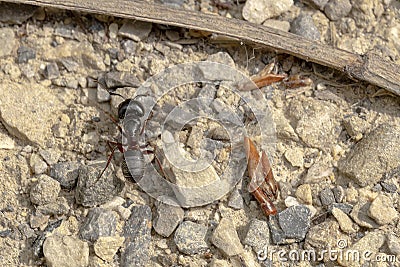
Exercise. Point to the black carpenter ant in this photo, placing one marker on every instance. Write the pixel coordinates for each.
(130, 113)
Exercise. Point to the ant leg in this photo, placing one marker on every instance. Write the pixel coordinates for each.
(115, 146)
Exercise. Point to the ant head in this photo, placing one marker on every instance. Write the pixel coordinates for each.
(133, 106)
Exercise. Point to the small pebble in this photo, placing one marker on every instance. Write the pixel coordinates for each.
(327, 197)
(258, 236)
(52, 71)
(304, 26)
(235, 200)
(167, 218)
(190, 238)
(24, 54)
(99, 222)
(382, 211)
(226, 239)
(345, 223)
(107, 246)
(137, 233)
(65, 251)
(336, 9)
(303, 194)
(295, 221)
(45, 190)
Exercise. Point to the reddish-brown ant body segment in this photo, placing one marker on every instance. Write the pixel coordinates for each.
(262, 183)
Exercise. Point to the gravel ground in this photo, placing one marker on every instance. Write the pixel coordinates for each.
(334, 150)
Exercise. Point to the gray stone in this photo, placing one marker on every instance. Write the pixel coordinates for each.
(382, 210)
(45, 190)
(116, 79)
(102, 94)
(304, 26)
(339, 193)
(52, 71)
(326, 196)
(277, 235)
(92, 190)
(360, 215)
(51, 156)
(69, 64)
(168, 217)
(373, 156)
(24, 54)
(337, 9)
(137, 233)
(65, 251)
(7, 39)
(295, 221)
(258, 11)
(257, 236)
(223, 58)
(16, 13)
(320, 4)
(99, 222)
(58, 207)
(190, 238)
(346, 208)
(135, 30)
(389, 187)
(235, 200)
(226, 238)
(129, 48)
(66, 173)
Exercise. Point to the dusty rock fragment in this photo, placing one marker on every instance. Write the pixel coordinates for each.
(58, 207)
(393, 243)
(337, 9)
(259, 11)
(304, 26)
(325, 235)
(99, 222)
(107, 246)
(65, 251)
(320, 4)
(316, 121)
(40, 108)
(66, 173)
(7, 40)
(339, 193)
(24, 54)
(355, 126)
(371, 242)
(16, 13)
(52, 71)
(376, 154)
(303, 194)
(235, 200)
(295, 156)
(190, 238)
(345, 223)
(168, 217)
(137, 233)
(135, 30)
(116, 79)
(327, 197)
(92, 190)
(226, 239)
(359, 214)
(37, 164)
(45, 190)
(382, 211)
(257, 236)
